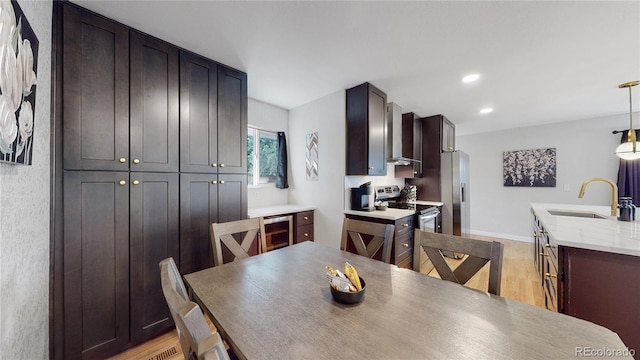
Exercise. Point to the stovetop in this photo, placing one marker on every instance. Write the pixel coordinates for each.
(418, 208)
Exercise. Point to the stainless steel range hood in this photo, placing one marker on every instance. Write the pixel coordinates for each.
(394, 136)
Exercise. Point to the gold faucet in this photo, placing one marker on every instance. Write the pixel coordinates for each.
(614, 193)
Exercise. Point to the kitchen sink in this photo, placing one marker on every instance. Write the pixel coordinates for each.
(576, 213)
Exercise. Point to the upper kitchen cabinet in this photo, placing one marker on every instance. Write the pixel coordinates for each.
(213, 117)
(232, 121)
(366, 131)
(120, 104)
(447, 133)
(95, 93)
(154, 104)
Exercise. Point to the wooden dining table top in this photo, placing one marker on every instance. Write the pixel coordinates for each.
(278, 305)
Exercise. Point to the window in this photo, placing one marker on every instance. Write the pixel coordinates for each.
(262, 153)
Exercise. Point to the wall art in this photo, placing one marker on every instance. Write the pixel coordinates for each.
(312, 156)
(18, 68)
(530, 168)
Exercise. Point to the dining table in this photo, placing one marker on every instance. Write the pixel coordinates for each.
(278, 305)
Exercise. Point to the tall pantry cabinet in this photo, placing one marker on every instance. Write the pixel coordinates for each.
(130, 128)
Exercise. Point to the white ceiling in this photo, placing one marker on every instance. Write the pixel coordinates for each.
(540, 61)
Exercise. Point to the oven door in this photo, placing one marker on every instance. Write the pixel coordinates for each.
(428, 222)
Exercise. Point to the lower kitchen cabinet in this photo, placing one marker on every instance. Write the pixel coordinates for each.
(205, 199)
(117, 228)
(153, 236)
(303, 226)
(596, 286)
(402, 248)
(96, 262)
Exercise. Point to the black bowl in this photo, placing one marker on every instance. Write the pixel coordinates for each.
(348, 297)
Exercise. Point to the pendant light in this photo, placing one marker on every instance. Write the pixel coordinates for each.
(629, 150)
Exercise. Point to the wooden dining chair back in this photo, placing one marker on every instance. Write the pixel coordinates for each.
(479, 253)
(194, 334)
(381, 237)
(236, 240)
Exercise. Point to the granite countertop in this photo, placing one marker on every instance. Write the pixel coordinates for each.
(389, 214)
(278, 210)
(421, 202)
(609, 234)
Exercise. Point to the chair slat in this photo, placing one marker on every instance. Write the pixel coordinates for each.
(382, 236)
(222, 233)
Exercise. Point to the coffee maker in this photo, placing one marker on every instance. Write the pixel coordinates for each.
(362, 197)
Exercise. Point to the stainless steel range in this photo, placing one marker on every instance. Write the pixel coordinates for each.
(427, 215)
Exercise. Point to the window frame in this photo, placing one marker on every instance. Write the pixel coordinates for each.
(254, 181)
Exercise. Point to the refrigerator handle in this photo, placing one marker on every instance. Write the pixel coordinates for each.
(463, 196)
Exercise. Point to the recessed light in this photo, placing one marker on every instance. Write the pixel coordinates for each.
(486, 110)
(470, 78)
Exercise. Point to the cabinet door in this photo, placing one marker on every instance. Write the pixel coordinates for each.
(95, 94)
(154, 235)
(366, 109)
(377, 132)
(232, 197)
(448, 135)
(154, 104)
(198, 114)
(198, 209)
(96, 263)
(232, 121)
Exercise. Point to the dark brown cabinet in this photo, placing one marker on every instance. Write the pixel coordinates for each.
(205, 199)
(366, 130)
(153, 236)
(303, 224)
(95, 93)
(213, 117)
(120, 203)
(154, 105)
(96, 262)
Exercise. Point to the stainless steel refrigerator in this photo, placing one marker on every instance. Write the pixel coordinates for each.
(454, 190)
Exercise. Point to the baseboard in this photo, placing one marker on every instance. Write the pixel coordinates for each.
(501, 236)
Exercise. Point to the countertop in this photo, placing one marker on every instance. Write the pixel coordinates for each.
(610, 235)
(278, 210)
(389, 214)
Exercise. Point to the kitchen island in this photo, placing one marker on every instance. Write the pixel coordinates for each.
(589, 263)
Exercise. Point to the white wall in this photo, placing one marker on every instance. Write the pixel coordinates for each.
(24, 228)
(326, 116)
(267, 117)
(585, 149)
(355, 181)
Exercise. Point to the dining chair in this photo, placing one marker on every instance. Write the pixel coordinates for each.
(242, 238)
(194, 334)
(479, 253)
(381, 237)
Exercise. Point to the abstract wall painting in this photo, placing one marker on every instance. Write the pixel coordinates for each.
(529, 168)
(312, 156)
(18, 69)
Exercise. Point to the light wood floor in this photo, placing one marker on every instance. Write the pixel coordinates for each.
(520, 282)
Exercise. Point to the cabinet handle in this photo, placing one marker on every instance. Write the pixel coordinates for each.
(370, 167)
(136, 182)
(122, 182)
(306, 218)
(548, 245)
(221, 165)
(405, 225)
(136, 161)
(214, 164)
(306, 234)
(213, 182)
(405, 245)
(543, 254)
(415, 173)
(122, 160)
(550, 275)
(535, 235)
(542, 231)
(221, 181)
